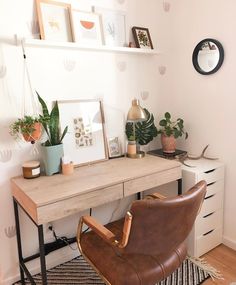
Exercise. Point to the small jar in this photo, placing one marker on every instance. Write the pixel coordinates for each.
(67, 168)
(131, 148)
(31, 169)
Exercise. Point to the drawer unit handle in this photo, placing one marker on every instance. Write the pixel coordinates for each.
(208, 233)
(211, 183)
(208, 215)
(209, 171)
(209, 197)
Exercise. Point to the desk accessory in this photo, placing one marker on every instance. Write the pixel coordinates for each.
(67, 166)
(170, 131)
(136, 114)
(52, 149)
(31, 169)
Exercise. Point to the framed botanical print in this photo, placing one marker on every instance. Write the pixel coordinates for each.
(54, 20)
(86, 28)
(114, 147)
(142, 38)
(85, 141)
(113, 26)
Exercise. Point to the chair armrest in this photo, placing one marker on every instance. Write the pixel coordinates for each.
(104, 233)
(98, 228)
(156, 196)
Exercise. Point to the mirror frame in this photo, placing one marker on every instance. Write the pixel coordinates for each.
(195, 56)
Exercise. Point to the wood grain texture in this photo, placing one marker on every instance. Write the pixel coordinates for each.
(52, 197)
(224, 260)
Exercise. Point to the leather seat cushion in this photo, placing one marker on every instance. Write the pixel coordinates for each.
(129, 269)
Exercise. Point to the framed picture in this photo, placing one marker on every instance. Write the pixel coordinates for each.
(114, 147)
(85, 141)
(86, 27)
(142, 38)
(113, 25)
(54, 20)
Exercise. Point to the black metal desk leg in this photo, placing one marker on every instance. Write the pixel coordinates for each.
(179, 186)
(18, 236)
(42, 255)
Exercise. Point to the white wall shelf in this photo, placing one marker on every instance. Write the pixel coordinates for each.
(70, 45)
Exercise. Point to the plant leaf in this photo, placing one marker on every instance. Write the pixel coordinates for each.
(54, 125)
(64, 133)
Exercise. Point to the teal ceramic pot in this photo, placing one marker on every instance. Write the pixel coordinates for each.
(52, 158)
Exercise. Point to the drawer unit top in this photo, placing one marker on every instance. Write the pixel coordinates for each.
(202, 165)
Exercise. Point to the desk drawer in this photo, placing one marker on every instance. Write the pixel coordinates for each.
(79, 203)
(208, 241)
(212, 175)
(212, 203)
(205, 223)
(151, 181)
(215, 187)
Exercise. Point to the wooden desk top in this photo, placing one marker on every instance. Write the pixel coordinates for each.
(46, 190)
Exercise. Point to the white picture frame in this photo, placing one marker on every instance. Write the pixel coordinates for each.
(85, 141)
(86, 27)
(113, 26)
(114, 147)
(54, 20)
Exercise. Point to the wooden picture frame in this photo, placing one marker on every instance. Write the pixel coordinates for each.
(113, 26)
(85, 142)
(54, 20)
(114, 147)
(142, 38)
(86, 27)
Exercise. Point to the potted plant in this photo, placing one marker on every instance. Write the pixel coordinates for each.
(170, 131)
(29, 127)
(52, 148)
(141, 132)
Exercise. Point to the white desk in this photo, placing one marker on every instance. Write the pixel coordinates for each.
(46, 199)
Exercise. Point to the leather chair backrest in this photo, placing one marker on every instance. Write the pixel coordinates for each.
(159, 226)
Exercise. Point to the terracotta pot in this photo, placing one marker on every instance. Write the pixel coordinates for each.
(35, 135)
(168, 143)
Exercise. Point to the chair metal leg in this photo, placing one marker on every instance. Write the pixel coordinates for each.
(18, 236)
(42, 255)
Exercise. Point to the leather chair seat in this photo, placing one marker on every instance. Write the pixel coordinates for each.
(129, 268)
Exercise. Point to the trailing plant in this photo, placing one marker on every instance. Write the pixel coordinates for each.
(169, 127)
(24, 126)
(145, 131)
(51, 123)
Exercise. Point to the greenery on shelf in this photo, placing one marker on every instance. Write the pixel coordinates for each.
(169, 127)
(24, 126)
(51, 124)
(144, 131)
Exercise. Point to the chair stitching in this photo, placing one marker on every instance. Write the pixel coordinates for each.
(161, 265)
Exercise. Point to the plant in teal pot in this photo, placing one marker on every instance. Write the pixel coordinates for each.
(52, 148)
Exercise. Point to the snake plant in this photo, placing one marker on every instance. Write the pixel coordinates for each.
(51, 124)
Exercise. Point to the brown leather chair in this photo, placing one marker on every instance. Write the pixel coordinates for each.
(148, 245)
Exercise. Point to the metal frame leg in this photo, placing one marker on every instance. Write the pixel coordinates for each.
(42, 255)
(18, 236)
(180, 186)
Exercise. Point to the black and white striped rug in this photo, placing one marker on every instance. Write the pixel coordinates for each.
(79, 272)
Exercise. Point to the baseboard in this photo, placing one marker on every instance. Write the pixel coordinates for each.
(229, 242)
(53, 259)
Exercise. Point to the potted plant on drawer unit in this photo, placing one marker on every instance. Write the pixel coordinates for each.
(170, 131)
(52, 149)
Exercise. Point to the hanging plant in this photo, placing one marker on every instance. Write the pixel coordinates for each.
(29, 127)
(145, 131)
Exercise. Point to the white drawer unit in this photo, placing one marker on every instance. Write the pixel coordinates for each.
(208, 229)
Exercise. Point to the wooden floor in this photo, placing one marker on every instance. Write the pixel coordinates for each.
(224, 260)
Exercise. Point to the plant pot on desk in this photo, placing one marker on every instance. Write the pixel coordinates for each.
(168, 143)
(52, 158)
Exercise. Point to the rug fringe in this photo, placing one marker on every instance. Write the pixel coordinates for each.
(200, 262)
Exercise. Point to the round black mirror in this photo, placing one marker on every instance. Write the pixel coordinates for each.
(208, 56)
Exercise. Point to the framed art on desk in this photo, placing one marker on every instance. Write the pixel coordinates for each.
(85, 141)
